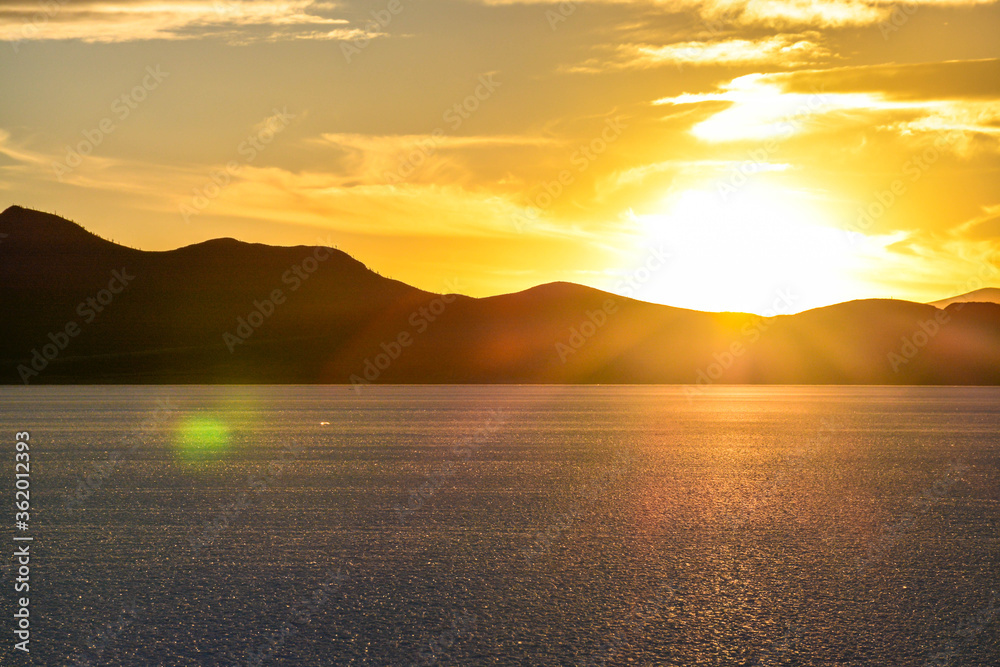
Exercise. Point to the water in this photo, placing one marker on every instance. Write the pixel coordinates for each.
(510, 525)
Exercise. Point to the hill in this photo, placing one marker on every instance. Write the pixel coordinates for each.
(984, 295)
(80, 309)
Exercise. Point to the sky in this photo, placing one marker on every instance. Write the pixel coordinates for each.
(761, 156)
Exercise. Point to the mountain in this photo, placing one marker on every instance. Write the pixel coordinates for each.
(984, 295)
(80, 309)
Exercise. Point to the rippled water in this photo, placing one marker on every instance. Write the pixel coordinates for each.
(511, 525)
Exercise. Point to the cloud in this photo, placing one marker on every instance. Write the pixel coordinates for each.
(320, 199)
(367, 159)
(721, 15)
(784, 50)
(352, 197)
(16, 156)
(973, 124)
(112, 22)
(889, 98)
(835, 13)
(950, 79)
(758, 108)
(985, 226)
(703, 168)
(924, 263)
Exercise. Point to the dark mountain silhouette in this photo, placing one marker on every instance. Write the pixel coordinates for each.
(984, 295)
(80, 309)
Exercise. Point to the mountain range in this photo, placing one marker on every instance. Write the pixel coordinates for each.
(81, 309)
(984, 295)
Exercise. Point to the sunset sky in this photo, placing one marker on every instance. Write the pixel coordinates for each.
(827, 150)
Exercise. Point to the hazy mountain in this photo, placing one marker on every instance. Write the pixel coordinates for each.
(107, 313)
(984, 295)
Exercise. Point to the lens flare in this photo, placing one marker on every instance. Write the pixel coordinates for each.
(202, 439)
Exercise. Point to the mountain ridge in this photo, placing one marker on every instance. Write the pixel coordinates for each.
(983, 295)
(225, 311)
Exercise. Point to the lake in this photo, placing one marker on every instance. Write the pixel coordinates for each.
(510, 525)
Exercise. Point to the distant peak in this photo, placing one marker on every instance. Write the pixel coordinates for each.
(223, 242)
(30, 215)
(983, 295)
(33, 230)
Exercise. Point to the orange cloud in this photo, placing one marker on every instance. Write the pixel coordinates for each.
(111, 22)
(783, 50)
(728, 14)
(770, 105)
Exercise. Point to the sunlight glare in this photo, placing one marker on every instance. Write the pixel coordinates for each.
(760, 249)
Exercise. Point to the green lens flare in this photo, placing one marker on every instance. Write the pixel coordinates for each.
(202, 440)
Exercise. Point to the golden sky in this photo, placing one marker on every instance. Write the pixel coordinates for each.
(708, 154)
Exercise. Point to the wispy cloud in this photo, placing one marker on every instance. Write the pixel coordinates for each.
(783, 50)
(704, 168)
(985, 226)
(398, 141)
(17, 157)
(761, 106)
(351, 198)
(827, 14)
(378, 159)
(111, 22)
(776, 13)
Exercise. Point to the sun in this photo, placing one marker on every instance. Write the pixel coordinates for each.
(757, 248)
